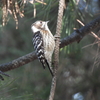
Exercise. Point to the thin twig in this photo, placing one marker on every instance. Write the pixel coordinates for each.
(41, 2)
(91, 44)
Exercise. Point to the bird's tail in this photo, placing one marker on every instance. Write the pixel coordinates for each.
(50, 68)
(43, 63)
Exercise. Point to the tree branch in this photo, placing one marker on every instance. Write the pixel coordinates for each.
(18, 62)
(77, 35)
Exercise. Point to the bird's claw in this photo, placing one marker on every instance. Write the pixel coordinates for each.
(56, 36)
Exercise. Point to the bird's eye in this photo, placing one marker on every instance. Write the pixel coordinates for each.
(41, 22)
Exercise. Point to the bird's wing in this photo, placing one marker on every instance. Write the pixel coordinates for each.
(38, 46)
(39, 49)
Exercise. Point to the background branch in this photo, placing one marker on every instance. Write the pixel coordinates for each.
(75, 36)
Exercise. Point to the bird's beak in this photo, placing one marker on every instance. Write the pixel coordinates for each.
(47, 21)
(46, 26)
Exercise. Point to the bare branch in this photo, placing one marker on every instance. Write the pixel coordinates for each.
(77, 35)
(91, 31)
(18, 62)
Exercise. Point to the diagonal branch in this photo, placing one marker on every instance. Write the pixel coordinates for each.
(75, 36)
(91, 31)
(18, 62)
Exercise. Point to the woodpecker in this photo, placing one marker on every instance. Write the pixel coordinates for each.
(43, 42)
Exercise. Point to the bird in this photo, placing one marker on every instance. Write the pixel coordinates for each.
(43, 42)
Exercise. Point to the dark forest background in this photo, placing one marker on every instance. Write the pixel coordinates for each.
(79, 69)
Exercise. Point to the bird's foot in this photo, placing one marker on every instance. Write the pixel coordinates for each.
(56, 36)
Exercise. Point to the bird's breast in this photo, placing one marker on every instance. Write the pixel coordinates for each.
(48, 39)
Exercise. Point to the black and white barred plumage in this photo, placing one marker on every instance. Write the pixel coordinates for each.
(43, 42)
(38, 46)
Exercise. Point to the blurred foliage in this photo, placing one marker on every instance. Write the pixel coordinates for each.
(75, 74)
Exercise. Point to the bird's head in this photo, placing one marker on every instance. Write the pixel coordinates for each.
(39, 25)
